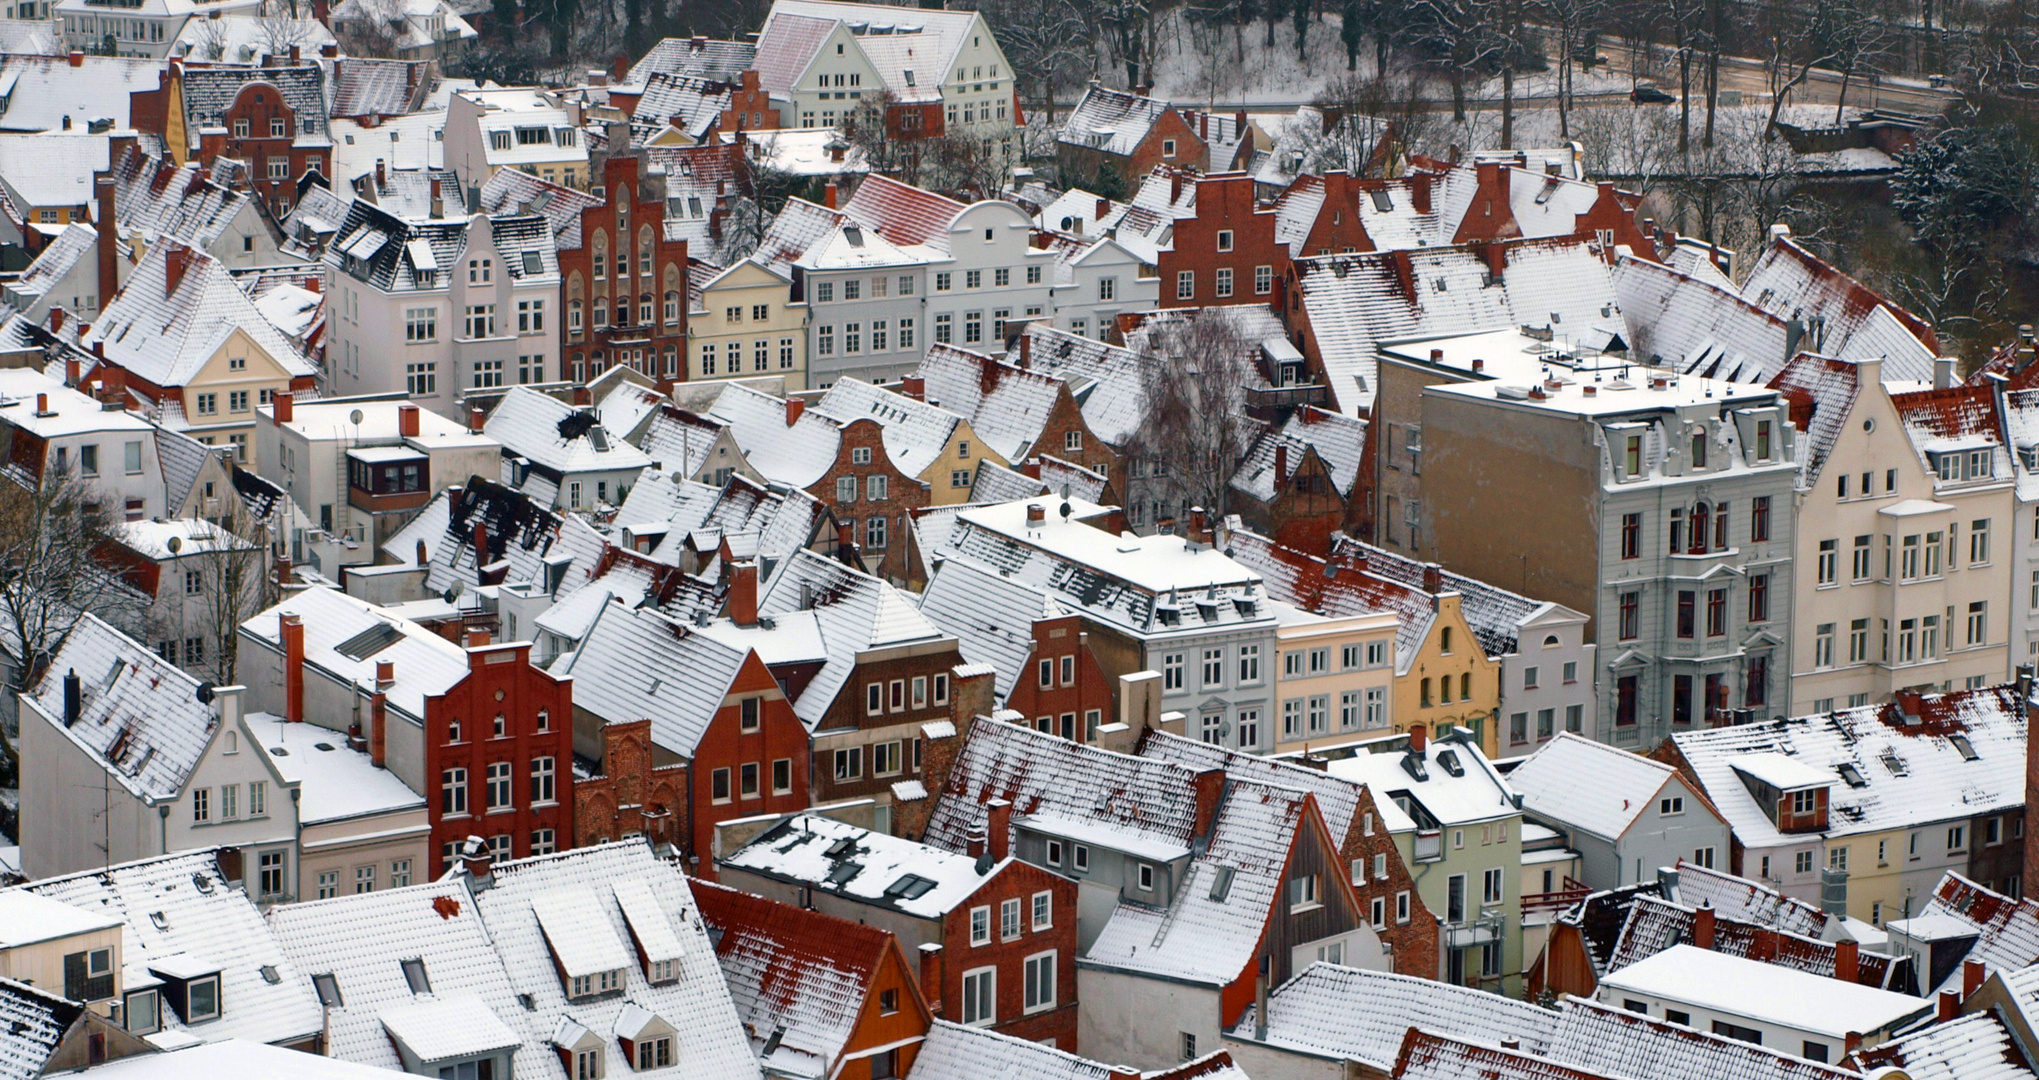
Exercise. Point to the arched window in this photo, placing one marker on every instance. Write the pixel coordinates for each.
(573, 316)
(672, 311)
(1701, 516)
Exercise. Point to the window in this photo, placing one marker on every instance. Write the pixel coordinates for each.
(329, 884)
(201, 999)
(1145, 877)
(1214, 668)
(1040, 977)
(1171, 671)
(1249, 664)
(1687, 611)
(1759, 597)
(1823, 646)
(658, 1053)
(1630, 618)
(1978, 541)
(1224, 281)
(849, 762)
(1490, 886)
(1829, 560)
(422, 379)
(1631, 535)
(1224, 239)
(980, 996)
(1957, 839)
(542, 789)
(1185, 284)
(1263, 280)
(980, 925)
(1303, 893)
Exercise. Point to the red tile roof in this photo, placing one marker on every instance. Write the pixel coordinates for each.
(903, 214)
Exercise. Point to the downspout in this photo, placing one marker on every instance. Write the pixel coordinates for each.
(163, 833)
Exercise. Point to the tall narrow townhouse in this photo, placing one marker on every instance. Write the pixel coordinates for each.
(1907, 538)
(861, 292)
(1659, 504)
(624, 278)
(2020, 408)
(441, 308)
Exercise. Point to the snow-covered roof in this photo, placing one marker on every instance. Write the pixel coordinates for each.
(1336, 589)
(232, 1057)
(2006, 930)
(165, 325)
(1624, 785)
(362, 941)
(33, 1023)
(365, 86)
(348, 637)
(1654, 924)
(725, 60)
(1739, 898)
(180, 914)
(1007, 405)
(1963, 755)
(785, 47)
(1616, 1042)
(1209, 931)
(1733, 986)
(26, 919)
(797, 453)
(915, 879)
(1843, 316)
(140, 716)
(800, 979)
(1496, 615)
(854, 611)
(1136, 805)
(1957, 418)
(558, 437)
(1108, 381)
(46, 90)
(210, 91)
(334, 781)
(69, 249)
(1355, 1015)
(953, 1051)
(691, 104)
(639, 662)
(901, 214)
(1821, 391)
(1111, 121)
(709, 1039)
(991, 615)
(1697, 322)
(914, 432)
(53, 169)
(1979, 1046)
(1338, 798)
(40, 404)
(1475, 794)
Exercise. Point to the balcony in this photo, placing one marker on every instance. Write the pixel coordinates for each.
(388, 479)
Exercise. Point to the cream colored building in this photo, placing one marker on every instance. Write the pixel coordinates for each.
(745, 312)
(1905, 544)
(1334, 677)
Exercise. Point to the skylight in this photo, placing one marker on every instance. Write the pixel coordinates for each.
(1966, 748)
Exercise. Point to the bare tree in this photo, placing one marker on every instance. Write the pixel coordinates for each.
(1196, 429)
(1798, 44)
(1359, 123)
(229, 583)
(209, 38)
(282, 25)
(54, 566)
(1861, 44)
(1045, 41)
(1573, 20)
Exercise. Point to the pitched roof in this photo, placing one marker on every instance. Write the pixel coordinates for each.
(800, 979)
(1954, 418)
(1219, 914)
(155, 196)
(991, 615)
(45, 90)
(1617, 1042)
(692, 104)
(785, 47)
(363, 940)
(709, 1039)
(1821, 393)
(639, 662)
(1655, 924)
(32, 1024)
(179, 913)
(1335, 590)
(2007, 930)
(364, 86)
(955, 1052)
(1338, 798)
(918, 880)
(1697, 323)
(1749, 901)
(1623, 787)
(1465, 791)
(1129, 804)
(1005, 403)
(524, 541)
(1853, 320)
(1108, 381)
(1355, 1015)
(558, 438)
(1964, 755)
(1496, 615)
(210, 91)
(166, 335)
(725, 60)
(854, 611)
(901, 213)
(914, 432)
(1979, 1046)
(348, 636)
(141, 718)
(1109, 120)
(796, 454)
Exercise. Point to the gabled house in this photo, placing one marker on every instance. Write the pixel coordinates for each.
(1266, 893)
(154, 197)
(1635, 816)
(1370, 833)
(560, 454)
(937, 448)
(1132, 134)
(994, 938)
(47, 1034)
(1019, 412)
(819, 996)
(195, 957)
(635, 317)
(48, 429)
(1303, 481)
(271, 118)
(182, 342)
(607, 946)
(747, 319)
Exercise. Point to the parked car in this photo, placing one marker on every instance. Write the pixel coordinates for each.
(1647, 94)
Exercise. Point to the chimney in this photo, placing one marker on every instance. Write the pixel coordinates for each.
(291, 628)
(283, 572)
(282, 406)
(1943, 371)
(1497, 260)
(438, 200)
(295, 55)
(74, 698)
(1037, 516)
(381, 176)
(378, 712)
(913, 386)
(620, 68)
(475, 420)
(481, 541)
(973, 843)
(1174, 186)
(794, 407)
(1026, 351)
(477, 637)
(1281, 462)
(998, 813)
(407, 421)
(56, 319)
(828, 195)
(1419, 739)
(1850, 1043)
(1104, 209)
(583, 396)
(77, 60)
(109, 242)
(71, 372)
(1419, 192)
(1210, 792)
(42, 405)
(1848, 961)
(476, 859)
(1972, 974)
(329, 50)
(176, 261)
(1703, 926)
(743, 593)
(1950, 1005)
(1199, 525)
(931, 976)
(1433, 578)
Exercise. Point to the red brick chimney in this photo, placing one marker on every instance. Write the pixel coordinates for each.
(475, 420)
(1281, 462)
(794, 407)
(1433, 578)
(176, 260)
(743, 593)
(282, 410)
(998, 827)
(407, 421)
(913, 386)
(1104, 209)
(1026, 351)
(1973, 972)
(1210, 792)
(931, 976)
(291, 629)
(1703, 926)
(1848, 961)
(77, 58)
(378, 712)
(1419, 739)
(1950, 1005)
(828, 195)
(109, 244)
(974, 841)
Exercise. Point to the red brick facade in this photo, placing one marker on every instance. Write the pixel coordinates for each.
(750, 107)
(743, 769)
(1414, 940)
(1007, 954)
(883, 703)
(861, 456)
(1061, 687)
(261, 129)
(633, 795)
(1228, 249)
(625, 287)
(508, 720)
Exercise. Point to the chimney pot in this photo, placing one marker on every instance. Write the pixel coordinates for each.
(1037, 515)
(1848, 961)
(77, 60)
(973, 843)
(291, 630)
(475, 420)
(1703, 926)
(828, 195)
(931, 976)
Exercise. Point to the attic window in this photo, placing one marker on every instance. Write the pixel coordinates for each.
(909, 887)
(328, 989)
(1221, 884)
(532, 264)
(370, 641)
(1894, 763)
(908, 74)
(1962, 745)
(414, 974)
(1852, 775)
(1383, 201)
(1449, 760)
(270, 974)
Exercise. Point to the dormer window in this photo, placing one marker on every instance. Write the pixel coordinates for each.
(600, 982)
(587, 1064)
(655, 1054)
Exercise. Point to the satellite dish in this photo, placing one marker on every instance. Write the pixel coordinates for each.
(450, 595)
(205, 693)
(355, 418)
(176, 544)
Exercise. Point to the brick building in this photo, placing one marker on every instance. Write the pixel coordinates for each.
(632, 793)
(995, 938)
(1060, 685)
(272, 119)
(1304, 479)
(1132, 134)
(1020, 410)
(1224, 250)
(624, 283)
